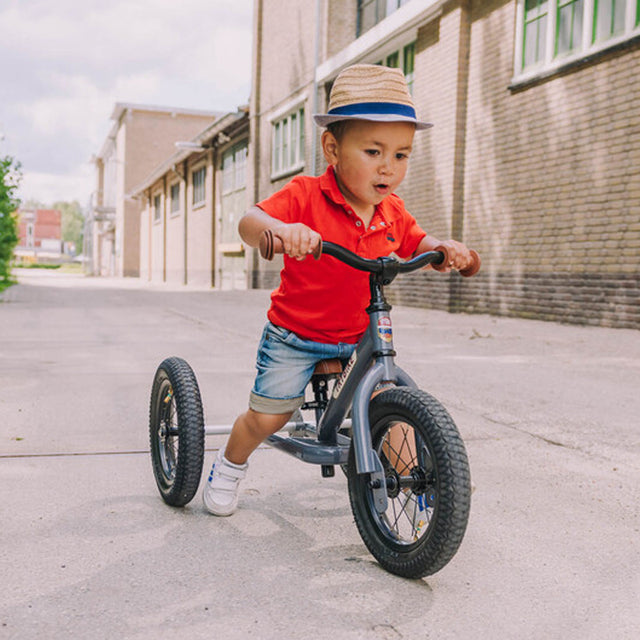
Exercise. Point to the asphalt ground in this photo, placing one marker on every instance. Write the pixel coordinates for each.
(550, 415)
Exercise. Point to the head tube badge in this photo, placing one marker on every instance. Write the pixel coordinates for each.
(385, 332)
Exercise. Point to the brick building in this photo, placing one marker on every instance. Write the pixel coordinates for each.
(190, 206)
(534, 156)
(141, 137)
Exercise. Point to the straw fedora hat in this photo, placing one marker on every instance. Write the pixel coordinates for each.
(370, 92)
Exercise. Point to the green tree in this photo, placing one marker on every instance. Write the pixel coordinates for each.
(72, 222)
(10, 177)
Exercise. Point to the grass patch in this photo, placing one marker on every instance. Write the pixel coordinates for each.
(37, 265)
(72, 267)
(5, 284)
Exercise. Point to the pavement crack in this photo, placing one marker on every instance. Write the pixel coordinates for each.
(72, 454)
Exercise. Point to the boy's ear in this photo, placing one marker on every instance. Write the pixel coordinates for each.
(330, 147)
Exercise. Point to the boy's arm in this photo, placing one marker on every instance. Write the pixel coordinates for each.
(298, 239)
(459, 256)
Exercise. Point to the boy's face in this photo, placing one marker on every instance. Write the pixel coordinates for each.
(370, 160)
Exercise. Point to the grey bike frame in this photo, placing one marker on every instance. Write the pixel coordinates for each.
(372, 363)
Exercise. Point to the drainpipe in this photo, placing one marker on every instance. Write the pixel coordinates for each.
(316, 61)
(212, 161)
(164, 228)
(186, 202)
(151, 211)
(460, 141)
(254, 114)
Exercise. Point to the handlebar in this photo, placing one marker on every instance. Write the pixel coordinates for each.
(439, 258)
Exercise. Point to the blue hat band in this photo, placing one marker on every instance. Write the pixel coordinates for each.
(377, 108)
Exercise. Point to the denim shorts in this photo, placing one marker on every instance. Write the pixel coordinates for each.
(285, 364)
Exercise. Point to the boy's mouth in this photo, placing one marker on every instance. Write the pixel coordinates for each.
(381, 187)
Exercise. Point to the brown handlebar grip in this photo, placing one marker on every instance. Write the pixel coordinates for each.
(474, 267)
(469, 271)
(270, 244)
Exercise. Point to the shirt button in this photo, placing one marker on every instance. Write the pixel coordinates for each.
(372, 227)
(358, 223)
(382, 224)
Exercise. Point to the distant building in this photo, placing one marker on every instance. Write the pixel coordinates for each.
(39, 234)
(191, 204)
(140, 139)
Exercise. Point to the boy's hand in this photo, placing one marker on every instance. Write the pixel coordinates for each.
(459, 256)
(298, 239)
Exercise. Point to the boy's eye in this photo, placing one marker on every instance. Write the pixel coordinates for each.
(372, 152)
(402, 156)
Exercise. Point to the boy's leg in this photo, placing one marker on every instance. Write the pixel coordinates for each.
(220, 493)
(249, 430)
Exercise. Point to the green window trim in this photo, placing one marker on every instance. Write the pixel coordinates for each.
(550, 32)
(569, 26)
(609, 19)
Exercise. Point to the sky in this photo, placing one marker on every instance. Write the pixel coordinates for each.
(65, 63)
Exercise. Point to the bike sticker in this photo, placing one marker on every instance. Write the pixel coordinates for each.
(385, 332)
(345, 374)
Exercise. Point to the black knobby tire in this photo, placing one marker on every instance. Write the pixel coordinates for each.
(428, 484)
(176, 431)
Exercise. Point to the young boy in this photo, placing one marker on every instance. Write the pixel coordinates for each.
(318, 311)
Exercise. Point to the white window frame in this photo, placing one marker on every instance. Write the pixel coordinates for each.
(284, 137)
(551, 61)
(234, 174)
(174, 212)
(202, 188)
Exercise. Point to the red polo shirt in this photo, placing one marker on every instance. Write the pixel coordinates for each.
(325, 300)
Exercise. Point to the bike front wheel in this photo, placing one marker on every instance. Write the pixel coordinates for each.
(427, 482)
(176, 431)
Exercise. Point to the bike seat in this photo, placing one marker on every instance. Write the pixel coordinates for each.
(328, 367)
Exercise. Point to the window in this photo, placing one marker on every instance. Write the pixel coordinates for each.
(370, 12)
(234, 168)
(535, 30)
(288, 143)
(408, 64)
(609, 18)
(199, 192)
(570, 25)
(552, 32)
(175, 198)
(157, 210)
(404, 59)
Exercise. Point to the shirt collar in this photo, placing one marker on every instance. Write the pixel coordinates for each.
(329, 186)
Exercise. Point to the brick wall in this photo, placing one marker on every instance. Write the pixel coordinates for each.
(541, 179)
(552, 195)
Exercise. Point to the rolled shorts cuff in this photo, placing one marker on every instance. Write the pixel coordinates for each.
(274, 406)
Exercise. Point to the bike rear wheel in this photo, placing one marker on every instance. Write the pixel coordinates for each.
(176, 432)
(427, 481)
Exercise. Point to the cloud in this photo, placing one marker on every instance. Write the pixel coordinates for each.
(66, 63)
(51, 187)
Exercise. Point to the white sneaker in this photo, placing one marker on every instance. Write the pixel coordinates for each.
(220, 493)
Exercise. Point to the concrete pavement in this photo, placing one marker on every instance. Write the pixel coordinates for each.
(549, 413)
